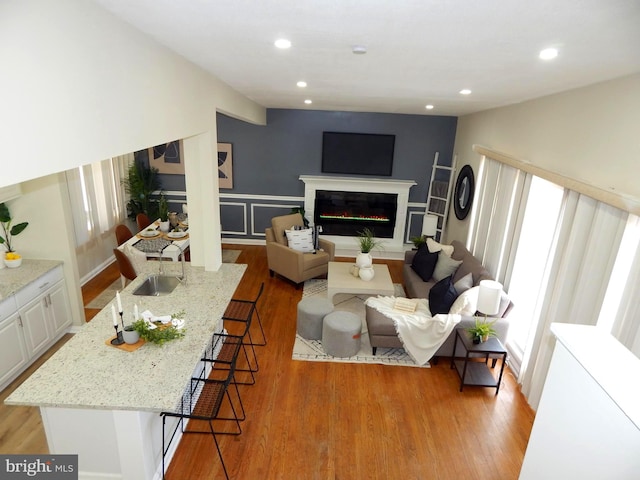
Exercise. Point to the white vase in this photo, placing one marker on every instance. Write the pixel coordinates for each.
(130, 336)
(164, 226)
(366, 273)
(364, 260)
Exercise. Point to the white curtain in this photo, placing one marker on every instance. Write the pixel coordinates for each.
(99, 203)
(579, 267)
(495, 226)
(626, 324)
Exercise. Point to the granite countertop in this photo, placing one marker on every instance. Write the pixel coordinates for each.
(14, 279)
(88, 373)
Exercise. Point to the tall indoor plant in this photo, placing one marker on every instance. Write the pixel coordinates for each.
(140, 183)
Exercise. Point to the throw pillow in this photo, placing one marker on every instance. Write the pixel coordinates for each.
(464, 284)
(441, 296)
(445, 266)
(435, 247)
(466, 303)
(300, 240)
(137, 257)
(424, 262)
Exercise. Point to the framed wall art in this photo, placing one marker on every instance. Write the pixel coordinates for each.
(168, 158)
(225, 165)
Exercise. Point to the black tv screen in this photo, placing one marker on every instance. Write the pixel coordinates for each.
(357, 153)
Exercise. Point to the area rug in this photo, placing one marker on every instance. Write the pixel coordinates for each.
(107, 295)
(311, 350)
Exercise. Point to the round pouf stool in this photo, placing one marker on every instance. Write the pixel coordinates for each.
(341, 334)
(311, 311)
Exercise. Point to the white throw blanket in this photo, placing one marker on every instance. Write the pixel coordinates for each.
(420, 333)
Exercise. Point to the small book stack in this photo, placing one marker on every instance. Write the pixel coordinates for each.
(405, 305)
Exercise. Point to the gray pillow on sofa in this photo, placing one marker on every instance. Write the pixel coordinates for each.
(445, 266)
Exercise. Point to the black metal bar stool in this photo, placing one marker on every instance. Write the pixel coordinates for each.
(206, 398)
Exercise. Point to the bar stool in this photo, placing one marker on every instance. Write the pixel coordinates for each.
(205, 399)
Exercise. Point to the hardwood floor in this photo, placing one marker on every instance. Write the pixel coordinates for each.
(335, 421)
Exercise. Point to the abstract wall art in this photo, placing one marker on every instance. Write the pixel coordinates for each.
(225, 165)
(167, 158)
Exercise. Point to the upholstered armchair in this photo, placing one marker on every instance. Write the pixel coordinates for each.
(295, 265)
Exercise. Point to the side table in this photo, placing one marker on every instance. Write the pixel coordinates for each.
(477, 373)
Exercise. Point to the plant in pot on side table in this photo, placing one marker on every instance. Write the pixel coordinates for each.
(11, 258)
(489, 296)
(367, 242)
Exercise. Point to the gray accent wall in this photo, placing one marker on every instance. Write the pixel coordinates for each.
(268, 160)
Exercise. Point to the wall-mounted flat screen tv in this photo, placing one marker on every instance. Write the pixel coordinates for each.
(357, 153)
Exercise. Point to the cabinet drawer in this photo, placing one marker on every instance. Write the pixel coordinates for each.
(7, 307)
(38, 287)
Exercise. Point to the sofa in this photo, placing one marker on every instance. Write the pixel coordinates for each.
(382, 332)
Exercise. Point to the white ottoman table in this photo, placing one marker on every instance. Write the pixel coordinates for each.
(341, 334)
(311, 312)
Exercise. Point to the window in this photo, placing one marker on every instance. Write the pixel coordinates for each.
(528, 282)
(98, 203)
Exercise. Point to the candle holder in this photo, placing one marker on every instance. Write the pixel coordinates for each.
(118, 340)
(122, 319)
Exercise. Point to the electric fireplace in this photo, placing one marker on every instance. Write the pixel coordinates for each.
(346, 205)
(347, 213)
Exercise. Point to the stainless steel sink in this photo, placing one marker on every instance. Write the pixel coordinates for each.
(156, 285)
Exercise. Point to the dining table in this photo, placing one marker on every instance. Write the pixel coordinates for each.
(155, 243)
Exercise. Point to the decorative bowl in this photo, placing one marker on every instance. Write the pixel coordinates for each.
(13, 263)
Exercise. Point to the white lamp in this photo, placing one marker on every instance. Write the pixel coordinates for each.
(429, 225)
(489, 297)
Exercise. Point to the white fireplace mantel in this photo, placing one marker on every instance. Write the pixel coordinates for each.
(347, 246)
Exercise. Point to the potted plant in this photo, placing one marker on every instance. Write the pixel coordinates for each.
(163, 213)
(482, 330)
(418, 241)
(11, 258)
(367, 242)
(140, 183)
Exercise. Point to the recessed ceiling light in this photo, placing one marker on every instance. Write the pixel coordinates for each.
(282, 43)
(308, 102)
(359, 49)
(301, 84)
(465, 91)
(548, 54)
(429, 107)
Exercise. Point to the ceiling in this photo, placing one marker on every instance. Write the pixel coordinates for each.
(419, 52)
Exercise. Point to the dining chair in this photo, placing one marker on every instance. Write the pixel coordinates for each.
(127, 272)
(123, 233)
(143, 221)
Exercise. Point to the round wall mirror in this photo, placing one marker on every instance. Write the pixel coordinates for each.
(463, 194)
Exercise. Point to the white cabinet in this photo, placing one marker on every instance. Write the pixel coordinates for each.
(35, 321)
(31, 321)
(13, 353)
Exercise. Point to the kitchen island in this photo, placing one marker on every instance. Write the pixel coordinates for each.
(102, 403)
